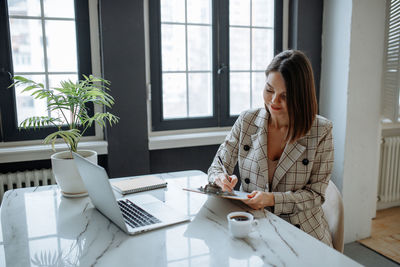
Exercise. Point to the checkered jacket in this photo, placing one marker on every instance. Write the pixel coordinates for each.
(302, 174)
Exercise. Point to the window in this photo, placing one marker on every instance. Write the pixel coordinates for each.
(46, 41)
(391, 79)
(208, 59)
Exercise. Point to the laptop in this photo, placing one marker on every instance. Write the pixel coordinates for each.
(134, 214)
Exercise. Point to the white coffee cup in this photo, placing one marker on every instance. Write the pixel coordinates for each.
(241, 223)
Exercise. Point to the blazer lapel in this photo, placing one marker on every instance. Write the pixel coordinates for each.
(260, 145)
(289, 156)
(259, 140)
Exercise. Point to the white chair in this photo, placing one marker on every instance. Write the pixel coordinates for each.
(333, 209)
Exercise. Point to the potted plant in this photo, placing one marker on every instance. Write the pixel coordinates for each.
(69, 113)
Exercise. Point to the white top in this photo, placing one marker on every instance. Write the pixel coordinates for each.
(271, 169)
(39, 226)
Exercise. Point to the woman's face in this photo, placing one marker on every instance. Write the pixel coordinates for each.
(275, 96)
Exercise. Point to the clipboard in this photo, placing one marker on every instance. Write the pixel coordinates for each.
(217, 192)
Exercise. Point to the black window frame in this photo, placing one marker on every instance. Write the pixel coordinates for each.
(220, 47)
(9, 130)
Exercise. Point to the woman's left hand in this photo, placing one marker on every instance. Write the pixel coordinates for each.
(259, 200)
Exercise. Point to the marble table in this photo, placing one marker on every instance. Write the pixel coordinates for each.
(40, 227)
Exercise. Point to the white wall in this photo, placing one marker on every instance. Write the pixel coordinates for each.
(334, 75)
(352, 58)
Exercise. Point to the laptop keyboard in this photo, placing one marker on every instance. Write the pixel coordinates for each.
(134, 215)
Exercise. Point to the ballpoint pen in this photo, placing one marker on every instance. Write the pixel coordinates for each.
(226, 173)
(223, 168)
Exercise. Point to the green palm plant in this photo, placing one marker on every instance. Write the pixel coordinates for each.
(68, 107)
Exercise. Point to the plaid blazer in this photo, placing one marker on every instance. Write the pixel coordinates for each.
(302, 174)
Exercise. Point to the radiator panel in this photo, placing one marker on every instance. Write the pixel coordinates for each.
(389, 180)
(24, 179)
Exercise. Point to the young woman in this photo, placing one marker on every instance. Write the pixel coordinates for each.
(284, 151)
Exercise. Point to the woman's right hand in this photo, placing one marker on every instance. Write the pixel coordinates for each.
(227, 183)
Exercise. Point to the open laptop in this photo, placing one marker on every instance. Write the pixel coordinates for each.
(134, 214)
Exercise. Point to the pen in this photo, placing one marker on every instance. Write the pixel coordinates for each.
(223, 168)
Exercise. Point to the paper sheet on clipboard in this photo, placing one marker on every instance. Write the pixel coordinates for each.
(238, 195)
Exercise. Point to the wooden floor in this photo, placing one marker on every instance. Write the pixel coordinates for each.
(385, 234)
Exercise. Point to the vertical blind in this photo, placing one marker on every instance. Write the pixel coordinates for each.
(391, 75)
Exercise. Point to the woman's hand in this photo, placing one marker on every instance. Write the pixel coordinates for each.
(227, 183)
(259, 200)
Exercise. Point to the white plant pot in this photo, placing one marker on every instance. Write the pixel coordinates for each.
(66, 173)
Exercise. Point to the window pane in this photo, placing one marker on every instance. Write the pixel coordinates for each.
(172, 10)
(239, 94)
(173, 47)
(239, 12)
(54, 81)
(263, 47)
(27, 106)
(200, 94)
(239, 48)
(174, 95)
(199, 47)
(258, 83)
(199, 11)
(61, 46)
(398, 118)
(263, 13)
(27, 45)
(24, 7)
(59, 8)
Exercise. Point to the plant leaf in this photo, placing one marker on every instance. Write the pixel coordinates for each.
(71, 137)
(100, 119)
(38, 122)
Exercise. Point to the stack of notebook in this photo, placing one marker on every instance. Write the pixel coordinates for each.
(138, 184)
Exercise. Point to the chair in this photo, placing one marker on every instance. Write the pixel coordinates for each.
(334, 215)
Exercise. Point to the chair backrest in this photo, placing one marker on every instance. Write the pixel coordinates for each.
(333, 209)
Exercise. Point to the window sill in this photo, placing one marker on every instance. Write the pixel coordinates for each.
(40, 152)
(390, 125)
(186, 140)
(390, 129)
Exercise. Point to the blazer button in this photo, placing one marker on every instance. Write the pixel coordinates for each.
(246, 147)
(247, 180)
(305, 161)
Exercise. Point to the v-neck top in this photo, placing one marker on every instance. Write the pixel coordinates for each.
(271, 169)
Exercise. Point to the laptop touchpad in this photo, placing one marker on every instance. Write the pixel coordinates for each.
(142, 199)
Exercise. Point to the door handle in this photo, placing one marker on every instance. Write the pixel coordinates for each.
(3, 70)
(221, 68)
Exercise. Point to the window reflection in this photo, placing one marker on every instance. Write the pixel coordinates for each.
(40, 214)
(192, 251)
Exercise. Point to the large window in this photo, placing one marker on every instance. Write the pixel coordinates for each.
(391, 71)
(208, 59)
(46, 41)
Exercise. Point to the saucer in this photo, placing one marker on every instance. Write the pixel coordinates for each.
(72, 195)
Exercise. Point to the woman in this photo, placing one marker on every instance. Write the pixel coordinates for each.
(284, 151)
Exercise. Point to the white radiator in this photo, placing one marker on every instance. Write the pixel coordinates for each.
(14, 180)
(389, 181)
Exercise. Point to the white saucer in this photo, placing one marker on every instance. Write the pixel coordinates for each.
(83, 194)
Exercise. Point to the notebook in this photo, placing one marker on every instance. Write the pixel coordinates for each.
(138, 184)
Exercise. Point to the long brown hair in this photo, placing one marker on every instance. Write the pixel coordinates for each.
(301, 99)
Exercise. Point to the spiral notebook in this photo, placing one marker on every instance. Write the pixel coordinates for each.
(138, 184)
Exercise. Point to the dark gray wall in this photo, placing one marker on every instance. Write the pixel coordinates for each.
(123, 58)
(305, 32)
(179, 159)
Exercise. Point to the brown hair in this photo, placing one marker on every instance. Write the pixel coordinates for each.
(301, 99)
